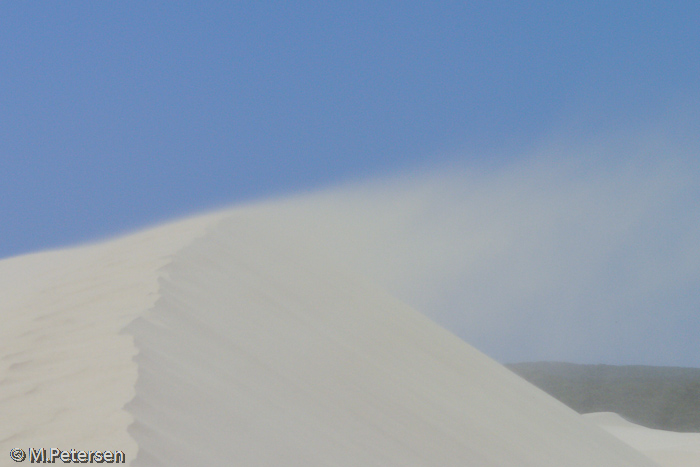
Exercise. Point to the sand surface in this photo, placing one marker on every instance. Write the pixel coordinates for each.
(66, 370)
(223, 340)
(667, 448)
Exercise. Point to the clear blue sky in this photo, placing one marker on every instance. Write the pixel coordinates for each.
(115, 115)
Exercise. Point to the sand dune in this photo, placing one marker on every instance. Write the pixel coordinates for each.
(221, 340)
(66, 372)
(667, 448)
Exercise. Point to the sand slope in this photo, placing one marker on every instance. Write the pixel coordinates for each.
(223, 341)
(65, 370)
(667, 448)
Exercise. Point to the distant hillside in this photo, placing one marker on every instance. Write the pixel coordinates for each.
(666, 398)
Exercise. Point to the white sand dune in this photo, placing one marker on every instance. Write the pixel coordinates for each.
(66, 372)
(667, 448)
(221, 340)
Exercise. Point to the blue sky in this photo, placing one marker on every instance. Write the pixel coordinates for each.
(115, 115)
(504, 164)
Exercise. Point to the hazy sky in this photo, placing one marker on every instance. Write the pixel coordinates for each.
(538, 160)
(116, 114)
(589, 255)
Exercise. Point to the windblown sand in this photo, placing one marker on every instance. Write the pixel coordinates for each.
(223, 340)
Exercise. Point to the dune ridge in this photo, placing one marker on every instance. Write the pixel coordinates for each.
(220, 340)
(66, 370)
(272, 355)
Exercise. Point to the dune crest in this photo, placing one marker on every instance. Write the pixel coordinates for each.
(222, 340)
(66, 370)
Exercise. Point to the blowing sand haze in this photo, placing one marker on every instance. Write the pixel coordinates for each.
(220, 340)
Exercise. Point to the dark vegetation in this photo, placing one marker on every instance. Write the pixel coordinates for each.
(666, 398)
